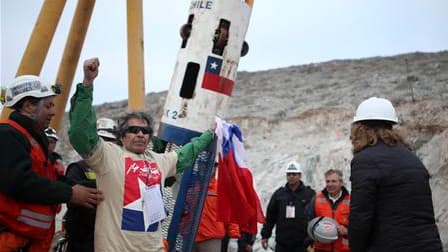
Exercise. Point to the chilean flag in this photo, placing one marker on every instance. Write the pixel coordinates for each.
(213, 80)
(237, 200)
(139, 175)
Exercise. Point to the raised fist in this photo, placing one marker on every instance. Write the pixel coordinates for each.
(90, 71)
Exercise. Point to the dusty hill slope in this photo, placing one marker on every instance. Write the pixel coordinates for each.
(304, 113)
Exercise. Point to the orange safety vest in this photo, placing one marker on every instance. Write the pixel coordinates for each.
(323, 207)
(34, 221)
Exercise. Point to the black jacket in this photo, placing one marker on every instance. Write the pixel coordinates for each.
(80, 220)
(289, 231)
(17, 179)
(391, 207)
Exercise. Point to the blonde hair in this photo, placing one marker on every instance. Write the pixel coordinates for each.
(368, 133)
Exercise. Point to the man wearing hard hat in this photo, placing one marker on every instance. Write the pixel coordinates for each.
(286, 211)
(30, 188)
(391, 206)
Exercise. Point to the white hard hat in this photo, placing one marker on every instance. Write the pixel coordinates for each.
(50, 132)
(323, 229)
(106, 127)
(28, 85)
(376, 109)
(293, 167)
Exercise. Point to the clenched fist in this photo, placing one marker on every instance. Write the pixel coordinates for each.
(90, 71)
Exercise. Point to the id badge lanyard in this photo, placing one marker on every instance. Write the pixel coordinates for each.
(290, 211)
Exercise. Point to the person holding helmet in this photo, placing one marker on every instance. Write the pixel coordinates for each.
(286, 211)
(391, 207)
(332, 202)
(30, 187)
(79, 221)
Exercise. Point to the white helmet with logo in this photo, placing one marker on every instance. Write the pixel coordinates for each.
(323, 229)
(28, 85)
(293, 167)
(376, 109)
(106, 127)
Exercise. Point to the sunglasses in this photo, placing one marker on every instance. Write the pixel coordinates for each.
(137, 129)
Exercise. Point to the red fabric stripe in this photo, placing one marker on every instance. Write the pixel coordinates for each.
(217, 83)
(237, 200)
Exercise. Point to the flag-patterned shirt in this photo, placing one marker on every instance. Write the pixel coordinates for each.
(122, 176)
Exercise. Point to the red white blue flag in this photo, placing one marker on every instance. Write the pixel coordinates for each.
(139, 175)
(212, 77)
(238, 201)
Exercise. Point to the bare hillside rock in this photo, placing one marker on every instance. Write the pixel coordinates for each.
(304, 113)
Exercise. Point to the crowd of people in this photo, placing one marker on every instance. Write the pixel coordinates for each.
(114, 196)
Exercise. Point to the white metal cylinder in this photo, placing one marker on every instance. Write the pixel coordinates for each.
(204, 75)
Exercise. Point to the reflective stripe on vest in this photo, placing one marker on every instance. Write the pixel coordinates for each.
(35, 215)
(35, 219)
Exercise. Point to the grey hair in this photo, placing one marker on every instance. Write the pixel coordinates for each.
(334, 171)
(123, 121)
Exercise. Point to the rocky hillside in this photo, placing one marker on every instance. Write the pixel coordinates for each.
(304, 113)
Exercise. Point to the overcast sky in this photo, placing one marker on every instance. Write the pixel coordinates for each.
(281, 33)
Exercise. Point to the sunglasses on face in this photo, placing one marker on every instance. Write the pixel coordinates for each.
(137, 129)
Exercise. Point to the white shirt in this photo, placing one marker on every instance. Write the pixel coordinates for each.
(334, 199)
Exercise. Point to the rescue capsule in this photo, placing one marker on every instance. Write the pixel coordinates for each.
(207, 63)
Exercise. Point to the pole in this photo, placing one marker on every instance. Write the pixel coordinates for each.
(136, 70)
(70, 58)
